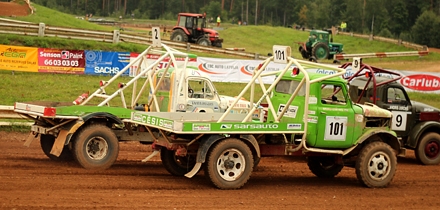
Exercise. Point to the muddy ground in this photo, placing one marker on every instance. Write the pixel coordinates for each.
(30, 180)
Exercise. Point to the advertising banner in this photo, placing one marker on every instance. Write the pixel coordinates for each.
(18, 58)
(151, 58)
(231, 70)
(106, 63)
(61, 61)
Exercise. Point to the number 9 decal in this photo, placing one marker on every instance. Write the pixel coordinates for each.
(399, 121)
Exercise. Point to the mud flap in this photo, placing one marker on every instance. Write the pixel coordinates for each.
(155, 152)
(194, 171)
(30, 139)
(58, 145)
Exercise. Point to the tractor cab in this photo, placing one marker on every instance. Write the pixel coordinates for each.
(191, 28)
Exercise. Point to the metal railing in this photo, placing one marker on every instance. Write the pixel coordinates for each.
(116, 36)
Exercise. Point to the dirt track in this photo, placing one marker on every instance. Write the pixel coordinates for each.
(29, 180)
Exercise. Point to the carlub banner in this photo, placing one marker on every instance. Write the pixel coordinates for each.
(61, 61)
(18, 58)
(106, 63)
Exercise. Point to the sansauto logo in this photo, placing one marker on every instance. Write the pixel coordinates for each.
(205, 67)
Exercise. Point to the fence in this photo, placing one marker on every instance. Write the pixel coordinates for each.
(116, 36)
(380, 55)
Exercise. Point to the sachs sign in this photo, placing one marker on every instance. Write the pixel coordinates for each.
(423, 82)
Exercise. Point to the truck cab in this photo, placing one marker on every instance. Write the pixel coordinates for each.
(195, 92)
(334, 121)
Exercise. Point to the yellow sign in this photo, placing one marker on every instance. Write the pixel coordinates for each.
(18, 58)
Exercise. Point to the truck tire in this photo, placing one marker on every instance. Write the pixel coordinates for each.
(96, 147)
(46, 143)
(204, 42)
(179, 35)
(320, 51)
(428, 149)
(176, 165)
(324, 167)
(376, 165)
(229, 164)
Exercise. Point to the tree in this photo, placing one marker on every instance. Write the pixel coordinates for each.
(303, 15)
(425, 31)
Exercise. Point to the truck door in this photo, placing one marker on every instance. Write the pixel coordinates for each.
(396, 100)
(335, 117)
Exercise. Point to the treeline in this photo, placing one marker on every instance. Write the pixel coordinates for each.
(410, 20)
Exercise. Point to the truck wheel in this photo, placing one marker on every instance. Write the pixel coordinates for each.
(324, 167)
(96, 147)
(376, 165)
(179, 36)
(229, 164)
(428, 150)
(46, 143)
(176, 165)
(204, 41)
(320, 51)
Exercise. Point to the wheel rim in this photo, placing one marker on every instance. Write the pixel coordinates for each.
(432, 149)
(320, 53)
(231, 164)
(178, 38)
(378, 166)
(97, 148)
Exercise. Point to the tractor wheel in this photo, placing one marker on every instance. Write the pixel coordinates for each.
(303, 52)
(229, 164)
(96, 147)
(179, 35)
(320, 51)
(324, 167)
(376, 165)
(428, 149)
(176, 165)
(204, 41)
(46, 143)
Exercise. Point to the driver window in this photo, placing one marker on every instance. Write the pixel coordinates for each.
(332, 94)
(189, 22)
(199, 88)
(395, 96)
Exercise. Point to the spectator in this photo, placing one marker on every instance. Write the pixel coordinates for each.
(218, 21)
(343, 26)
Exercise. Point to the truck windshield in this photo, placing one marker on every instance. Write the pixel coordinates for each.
(288, 87)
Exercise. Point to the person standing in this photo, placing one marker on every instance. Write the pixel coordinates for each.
(218, 21)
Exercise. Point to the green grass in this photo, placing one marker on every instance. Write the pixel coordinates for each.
(55, 18)
(25, 87)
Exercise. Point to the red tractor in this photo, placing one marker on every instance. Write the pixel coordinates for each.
(192, 28)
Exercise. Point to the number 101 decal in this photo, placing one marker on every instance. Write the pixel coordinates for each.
(281, 53)
(335, 128)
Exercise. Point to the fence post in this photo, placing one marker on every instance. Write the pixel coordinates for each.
(256, 56)
(116, 34)
(41, 28)
(188, 46)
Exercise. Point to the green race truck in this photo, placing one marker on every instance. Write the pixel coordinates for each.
(307, 115)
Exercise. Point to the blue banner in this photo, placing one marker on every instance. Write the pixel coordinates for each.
(106, 63)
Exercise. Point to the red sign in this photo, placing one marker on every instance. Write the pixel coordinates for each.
(423, 82)
(61, 61)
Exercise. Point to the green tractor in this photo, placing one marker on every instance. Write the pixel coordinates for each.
(320, 46)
